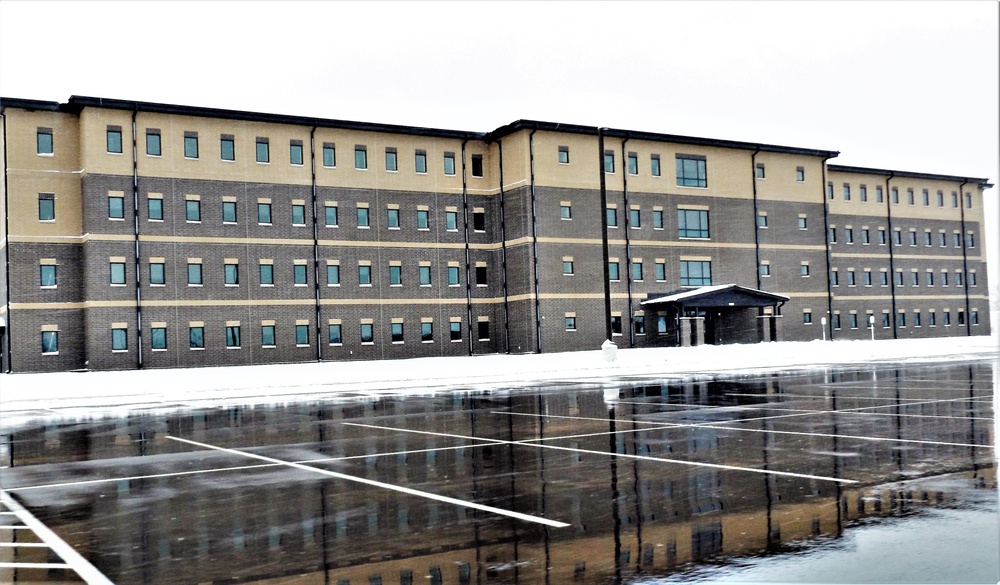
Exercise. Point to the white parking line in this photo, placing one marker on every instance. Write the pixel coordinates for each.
(5, 565)
(397, 488)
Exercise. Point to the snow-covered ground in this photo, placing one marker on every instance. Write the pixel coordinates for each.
(123, 390)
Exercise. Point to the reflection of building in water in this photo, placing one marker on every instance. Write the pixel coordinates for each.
(628, 515)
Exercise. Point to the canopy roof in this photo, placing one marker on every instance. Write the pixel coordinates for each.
(718, 295)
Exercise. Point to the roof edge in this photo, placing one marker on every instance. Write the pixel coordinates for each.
(984, 183)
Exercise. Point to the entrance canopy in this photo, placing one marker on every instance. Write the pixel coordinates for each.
(718, 295)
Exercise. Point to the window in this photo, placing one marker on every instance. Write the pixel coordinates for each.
(396, 332)
(50, 341)
(829, 190)
(367, 333)
(196, 337)
(47, 275)
(266, 274)
(396, 276)
(916, 319)
(881, 236)
(913, 238)
(831, 235)
(153, 142)
(928, 239)
(392, 218)
(301, 335)
(427, 331)
(639, 324)
(957, 239)
(227, 148)
(692, 223)
(158, 338)
(483, 329)
(616, 325)
(477, 165)
(420, 161)
(834, 277)
(329, 155)
(968, 201)
(803, 222)
(114, 139)
(453, 276)
(365, 275)
(479, 221)
(635, 219)
(800, 174)
(879, 195)
(233, 336)
(807, 317)
(563, 155)
(944, 278)
(229, 212)
(883, 278)
(567, 267)
(885, 320)
(334, 336)
(43, 141)
(901, 319)
(455, 330)
(157, 273)
(154, 209)
(46, 207)
(761, 219)
(942, 239)
(390, 160)
(940, 198)
(691, 171)
(298, 214)
(332, 274)
(449, 163)
(947, 318)
(609, 161)
(836, 321)
(765, 270)
(232, 274)
(852, 320)
(264, 213)
(362, 214)
(267, 335)
(958, 278)
(847, 192)
(117, 273)
(849, 235)
(972, 279)
(613, 271)
(570, 323)
(330, 215)
(657, 219)
(295, 152)
(424, 275)
(633, 163)
(760, 171)
(481, 276)
(974, 316)
(867, 277)
(611, 216)
(932, 318)
(360, 157)
(930, 278)
(263, 150)
(851, 279)
(895, 196)
(190, 145)
(925, 197)
(970, 240)
(897, 237)
(116, 207)
(565, 210)
(637, 271)
(194, 273)
(863, 193)
(654, 165)
(909, 197)
(696, 273)
(899, 278)
(804, 269)
(192, 210)
(451, 221)
(299, 274)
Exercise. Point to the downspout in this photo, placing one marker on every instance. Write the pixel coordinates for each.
(5, 351)
(604, 234)
(628, 241)
(316, 292)
(135, 227)
(826, 238)
(503, 255)
(534, 241)
(756, 211)
(468, 279)
(965, 258)
(892, 255)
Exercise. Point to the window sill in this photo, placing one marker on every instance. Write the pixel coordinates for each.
(232, 347)
(268, 346)
(230, 223)
(456, 340)
(333, 285)
(116, 219)
(367, 343)
(48, 287)
(394, 228)
(264, 224)
(303, 284)
(117, 284)
(365, 285)
(153, 220)
(364, 227)
(425, 285)
(119, 351)
(397, 343)
(267, 285)
(301, 345)
(332, 226)
(194, 285)
(232, 285)
(192, 221)
(197, 348)
(50, 353)
(336, 344)
(298, 225)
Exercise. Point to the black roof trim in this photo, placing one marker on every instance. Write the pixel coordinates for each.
(655, 137)
(26, 104)
(984, 183)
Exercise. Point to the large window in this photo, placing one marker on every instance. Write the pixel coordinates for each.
(692, 223)
(696, 273)
(691, 171)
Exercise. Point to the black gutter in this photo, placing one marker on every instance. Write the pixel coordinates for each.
(5, 351)
(965, 258)
(135, 228)
(468, 279)
(503, 255)
(534, 241)
(984, 183)
(826, 238)
(604, 235)
(756, 211)
(628, 243)
(315, 208)
(891, 241)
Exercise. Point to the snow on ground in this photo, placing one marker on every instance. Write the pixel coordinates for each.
(124, 390)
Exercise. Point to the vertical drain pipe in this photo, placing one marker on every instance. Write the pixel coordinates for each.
(890, 240)
(315, 226)
(604, 234)
(503, 255)
(468, 279)
(826, 238)
(534, 241)
(756, 211)
(135, 229)
(965, 258)
(5, 341)
(628, 241)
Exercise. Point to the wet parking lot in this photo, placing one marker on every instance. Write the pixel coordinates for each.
(854, 474)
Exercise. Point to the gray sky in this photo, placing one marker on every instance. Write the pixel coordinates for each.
(899, 85)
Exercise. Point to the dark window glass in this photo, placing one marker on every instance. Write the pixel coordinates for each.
(477, 165)
(396, 332)
(481, 276)
(427, 331)
(50, 342)
(196, 337)
(483, 329)
(158, 337)
(367, 333)
(479, 221)
(455, 330)
(613, 271)
(334, 336)
(233, 336)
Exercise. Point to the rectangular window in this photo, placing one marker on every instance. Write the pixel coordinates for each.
(913, 238)
(944, 278)
(565, 210)
(834, 277)
(847, 192)
(50, 342)
(947, 318)
(940, 198)
(334, 335)
(639, 324)
(192, 210)
(895, 195)
(851, 278)
(451, 221)
(883, 278)
(885, 320)
(974, 316)
(390, 160)
(196, 337)
(866, 236)
(637, 271)
(295, 152)
(696, 273)
(453, 276)
(157, 273)
(329, 155)
(298, 214)
(563, 155)
(800, 174)
(760, 171)
(333, 274)
(395, 276)
(928, 238)
(611, 216)
(633, 163)
(831, 235)
(267, 336)
(114, 139)
(852, 320)
(190, 145)
(301, 335)
(972, 279)
(616, 325)
(227, 148)
(868, 277)
(479, 221)
(43, 141)
(360, 157)
(761, 219)
(570, 323)
(836, 321)
(232, 274)
(116, 207)
(362, 216)
(765, 270)
(158, 338)
(881, 236)
(477, 165)
(154, 209)
(916, 319)
(609, 161)
(804, 269)
(863, 193)
(692, 223)
(266, 274)
(635, 219)
(117, 273)
(263, 150)
(932, 318)
(901, 319)
(807, 318)
(483, 330)
(568, 267)
(264, 213)
(897, 237)
(233, 336)
(455, 330)
(367, 333)
(942, 239)
(849, 235)
(654, 165)
(396, 332)
(229, 212)
(958, 278)
(330, 215)
(299, 274)
(909, 197)
(879, 195)
(194, 273)
(482, 276)
(47, 276)
(424, 275)
(392, 218)
(691, 171)
(427, 331)
(613, 274)
(449, 163)
(420, 161)
(153, 142)
(930, 278)
(829, 190)
(365, 275)
(926, 197)
(899, 278)
(970, 240)
(657, 219)
(46, 207)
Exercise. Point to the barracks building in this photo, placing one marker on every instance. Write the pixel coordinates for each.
(144, 235)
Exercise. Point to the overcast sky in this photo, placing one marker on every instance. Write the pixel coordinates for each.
(897, 85)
